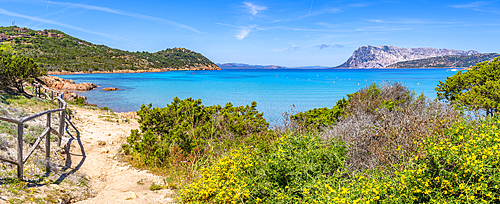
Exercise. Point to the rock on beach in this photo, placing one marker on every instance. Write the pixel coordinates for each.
(111, 89)
(66, 84)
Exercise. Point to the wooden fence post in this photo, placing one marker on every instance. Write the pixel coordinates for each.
(47, 146)
(20, 162)
(62, 118)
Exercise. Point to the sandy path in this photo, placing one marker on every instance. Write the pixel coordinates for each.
(111, 180)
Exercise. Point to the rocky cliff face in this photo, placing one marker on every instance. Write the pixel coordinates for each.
(384, 55)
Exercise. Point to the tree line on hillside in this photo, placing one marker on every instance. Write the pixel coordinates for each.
(74, 55)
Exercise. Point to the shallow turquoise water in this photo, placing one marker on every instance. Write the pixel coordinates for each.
(275, 91)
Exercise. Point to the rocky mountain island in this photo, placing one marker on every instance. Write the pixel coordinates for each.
(382, 56)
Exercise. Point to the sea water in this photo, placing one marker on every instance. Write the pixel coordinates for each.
(275, 91)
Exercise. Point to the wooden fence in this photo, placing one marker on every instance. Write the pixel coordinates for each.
(40, 92)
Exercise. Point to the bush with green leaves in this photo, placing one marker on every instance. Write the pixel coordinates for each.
(475, 89)
(369, 100)
(317, 118)
(185, 130)
(458, 165)
(291, 172)
(15, 70)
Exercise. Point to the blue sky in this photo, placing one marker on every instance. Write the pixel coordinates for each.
(286, 33)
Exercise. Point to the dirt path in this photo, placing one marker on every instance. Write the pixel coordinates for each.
(113, 181)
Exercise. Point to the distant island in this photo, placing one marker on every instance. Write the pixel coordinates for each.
(385, 56)
(248, 66)
(449, 61)
(56, 51)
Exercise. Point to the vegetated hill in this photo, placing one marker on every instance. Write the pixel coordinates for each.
(54, 50)
(247, 66)
(384, 55)
(446, 61)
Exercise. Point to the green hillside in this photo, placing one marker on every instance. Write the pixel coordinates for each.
(446, 61)
(56, 51)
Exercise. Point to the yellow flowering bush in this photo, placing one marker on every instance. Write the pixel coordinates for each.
(224, 182)
(290, 172)
(459, 166)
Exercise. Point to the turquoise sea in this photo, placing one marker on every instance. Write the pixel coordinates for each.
(275, 91)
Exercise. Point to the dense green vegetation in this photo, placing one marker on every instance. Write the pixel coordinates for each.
(383, 144)
(475, 89)
(185, 132)
(320, 117)
(16, 70)
(73, 54)
(446, 61)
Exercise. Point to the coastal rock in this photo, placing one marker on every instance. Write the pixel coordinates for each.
(111, 89)
(384, 55)
(66, 84)
(72, 96)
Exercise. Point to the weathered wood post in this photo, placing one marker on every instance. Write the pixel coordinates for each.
(20, 150)
(62, 119)
(47, 146)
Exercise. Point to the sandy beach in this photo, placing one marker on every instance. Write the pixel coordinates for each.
(101, 134)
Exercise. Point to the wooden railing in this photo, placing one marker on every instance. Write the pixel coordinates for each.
(39, 91)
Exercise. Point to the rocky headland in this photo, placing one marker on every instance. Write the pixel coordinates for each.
(382, 56)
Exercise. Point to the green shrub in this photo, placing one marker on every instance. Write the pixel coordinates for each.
(460, 165)
(186, 130)
(295, 167)
(16, 70)
(317, 118)
(475, 89)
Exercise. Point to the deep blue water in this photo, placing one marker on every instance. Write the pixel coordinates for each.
(275, 91)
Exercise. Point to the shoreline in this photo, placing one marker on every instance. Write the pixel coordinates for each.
(126, 71)
(108, 72)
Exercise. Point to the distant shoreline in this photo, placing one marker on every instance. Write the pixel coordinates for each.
(120, 71)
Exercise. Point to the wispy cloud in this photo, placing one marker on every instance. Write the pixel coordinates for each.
(470, 5)
(254, 9)
(408, 21)
(323, 46)
(124, 13)
(382, 28)
(42, 20)
(245, 31)
(476, 6)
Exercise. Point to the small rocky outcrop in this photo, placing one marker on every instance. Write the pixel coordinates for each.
(384, 55)
(66, 84)
(72, 96)
(111, 89)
